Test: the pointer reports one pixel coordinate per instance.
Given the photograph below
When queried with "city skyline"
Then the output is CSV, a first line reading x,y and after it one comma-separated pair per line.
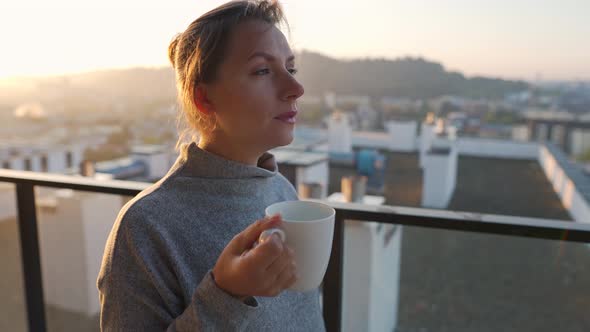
x,y
523,39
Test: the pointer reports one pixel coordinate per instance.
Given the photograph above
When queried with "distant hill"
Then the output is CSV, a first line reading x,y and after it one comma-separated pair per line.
x,y
129,83
404,77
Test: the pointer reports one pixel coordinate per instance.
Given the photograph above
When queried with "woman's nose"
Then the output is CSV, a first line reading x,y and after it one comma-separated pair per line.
x,y
293,88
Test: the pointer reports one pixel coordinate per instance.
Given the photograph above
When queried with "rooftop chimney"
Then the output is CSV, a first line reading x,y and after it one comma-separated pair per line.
x,y
440,177
311,190
87,168
339,133
353,188
427,136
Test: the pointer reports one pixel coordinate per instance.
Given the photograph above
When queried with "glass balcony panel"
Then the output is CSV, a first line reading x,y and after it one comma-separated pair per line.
x,y
407,279
13,315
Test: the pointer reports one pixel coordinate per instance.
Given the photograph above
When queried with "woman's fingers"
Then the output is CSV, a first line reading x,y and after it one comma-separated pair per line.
x,y
286,277
264,270
290,282
266,253
281,262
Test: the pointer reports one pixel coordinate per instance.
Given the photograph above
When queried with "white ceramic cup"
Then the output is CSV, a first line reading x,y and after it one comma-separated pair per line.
x,y
308,230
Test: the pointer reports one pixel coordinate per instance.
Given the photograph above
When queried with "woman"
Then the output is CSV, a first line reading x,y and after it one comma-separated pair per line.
x,y
182,255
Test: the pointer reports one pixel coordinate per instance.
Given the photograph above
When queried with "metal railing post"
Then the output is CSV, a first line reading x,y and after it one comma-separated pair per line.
x,y
31,260
332,286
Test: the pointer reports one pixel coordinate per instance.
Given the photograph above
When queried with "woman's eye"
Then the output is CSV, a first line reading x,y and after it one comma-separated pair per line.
x,y
261,72
293,71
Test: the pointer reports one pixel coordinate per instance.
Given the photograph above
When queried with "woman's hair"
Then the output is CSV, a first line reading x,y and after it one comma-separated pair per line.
x,y
197,53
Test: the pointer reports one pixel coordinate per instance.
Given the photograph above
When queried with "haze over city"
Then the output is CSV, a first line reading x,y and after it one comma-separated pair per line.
x,y
524,39
460,129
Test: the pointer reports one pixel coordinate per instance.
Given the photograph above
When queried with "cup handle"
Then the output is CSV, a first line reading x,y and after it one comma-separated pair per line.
x,y
267,233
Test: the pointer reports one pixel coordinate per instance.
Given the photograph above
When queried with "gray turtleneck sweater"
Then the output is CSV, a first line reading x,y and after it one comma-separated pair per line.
x,y
155,273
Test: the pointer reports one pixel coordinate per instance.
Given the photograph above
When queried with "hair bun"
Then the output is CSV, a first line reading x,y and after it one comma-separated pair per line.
x,y
172,49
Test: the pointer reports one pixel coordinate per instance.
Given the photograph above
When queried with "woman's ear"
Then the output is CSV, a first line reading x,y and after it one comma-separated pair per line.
x,y
202,101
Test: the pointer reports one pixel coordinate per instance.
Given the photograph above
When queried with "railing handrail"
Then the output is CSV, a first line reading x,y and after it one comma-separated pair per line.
x,y
75,182
467,221
420,217
26,181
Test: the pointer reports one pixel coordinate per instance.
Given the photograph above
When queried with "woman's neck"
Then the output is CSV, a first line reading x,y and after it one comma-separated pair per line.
x,y
231,151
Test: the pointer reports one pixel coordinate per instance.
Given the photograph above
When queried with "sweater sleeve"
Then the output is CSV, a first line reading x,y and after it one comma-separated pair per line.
x,y
139,292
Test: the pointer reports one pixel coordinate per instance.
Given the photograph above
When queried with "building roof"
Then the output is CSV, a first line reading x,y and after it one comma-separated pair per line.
x,y
504,186
299,158
484,185
148,149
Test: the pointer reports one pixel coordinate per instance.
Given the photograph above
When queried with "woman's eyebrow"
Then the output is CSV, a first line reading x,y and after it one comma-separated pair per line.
x,y
268,57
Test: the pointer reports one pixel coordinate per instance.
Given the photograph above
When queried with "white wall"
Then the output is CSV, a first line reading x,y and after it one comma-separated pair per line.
x,y
77,153
56,161
73,228
496,148
386,278
317,173
56,158
403,135
371,276
373,140
452,174
17,163
440,175
580,141
61,245
99,212
158,163
570,196
520,133
467,146
427,136
339,133
35,162
7,201
4,153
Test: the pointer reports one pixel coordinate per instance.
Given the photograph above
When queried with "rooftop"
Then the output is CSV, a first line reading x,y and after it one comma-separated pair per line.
x,y
504,186
458,281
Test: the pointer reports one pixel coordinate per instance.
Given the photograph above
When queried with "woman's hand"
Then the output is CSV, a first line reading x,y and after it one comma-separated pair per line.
x,y
265,270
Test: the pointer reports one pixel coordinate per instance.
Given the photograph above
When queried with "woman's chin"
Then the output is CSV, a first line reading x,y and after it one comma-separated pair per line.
x,y
283,140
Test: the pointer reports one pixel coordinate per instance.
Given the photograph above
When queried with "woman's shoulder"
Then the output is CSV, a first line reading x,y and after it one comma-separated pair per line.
x,y
285,186
143,208
160,203
144,227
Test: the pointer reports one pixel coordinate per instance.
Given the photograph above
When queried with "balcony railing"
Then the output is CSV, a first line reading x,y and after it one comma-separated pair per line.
x,y
333,282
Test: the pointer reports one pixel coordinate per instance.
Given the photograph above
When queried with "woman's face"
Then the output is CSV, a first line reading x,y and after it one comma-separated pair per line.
x,y
254,93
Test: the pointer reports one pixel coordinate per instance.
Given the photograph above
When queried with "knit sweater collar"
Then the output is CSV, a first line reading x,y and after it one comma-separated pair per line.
x,y
200,163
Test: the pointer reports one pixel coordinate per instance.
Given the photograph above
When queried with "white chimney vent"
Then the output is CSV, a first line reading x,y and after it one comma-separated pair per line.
x,y
340,133
440,177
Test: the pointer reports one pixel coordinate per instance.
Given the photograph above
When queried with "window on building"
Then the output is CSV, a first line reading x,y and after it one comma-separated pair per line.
x,y
28,164
6,164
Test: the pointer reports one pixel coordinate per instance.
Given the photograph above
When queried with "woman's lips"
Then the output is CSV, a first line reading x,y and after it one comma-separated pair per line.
x,y
288,117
